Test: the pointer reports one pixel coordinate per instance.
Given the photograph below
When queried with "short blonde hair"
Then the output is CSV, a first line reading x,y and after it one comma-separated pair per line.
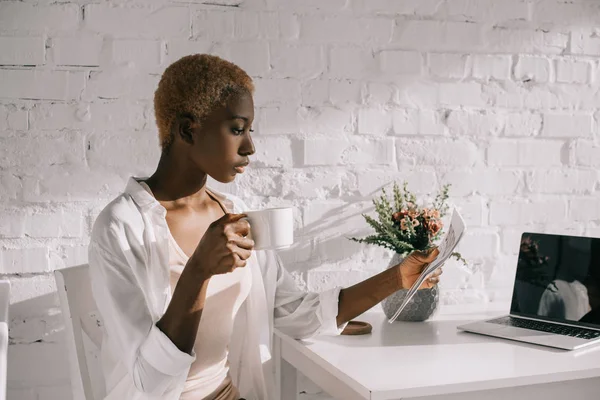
x,y
194,85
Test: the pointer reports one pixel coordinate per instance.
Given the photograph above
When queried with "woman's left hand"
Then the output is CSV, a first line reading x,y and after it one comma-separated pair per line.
x,y
410,269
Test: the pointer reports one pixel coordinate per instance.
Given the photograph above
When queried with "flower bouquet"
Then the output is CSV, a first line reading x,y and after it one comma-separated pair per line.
x,y
403,226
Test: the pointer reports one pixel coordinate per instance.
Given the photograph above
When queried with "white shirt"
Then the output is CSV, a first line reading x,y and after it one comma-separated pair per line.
x,y
565,300
208,377
129,258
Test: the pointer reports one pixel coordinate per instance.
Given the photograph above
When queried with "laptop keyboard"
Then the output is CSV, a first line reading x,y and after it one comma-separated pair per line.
x,y
582,333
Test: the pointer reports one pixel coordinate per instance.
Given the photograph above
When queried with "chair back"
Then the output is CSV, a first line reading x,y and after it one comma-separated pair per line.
x,y
83,331
4,302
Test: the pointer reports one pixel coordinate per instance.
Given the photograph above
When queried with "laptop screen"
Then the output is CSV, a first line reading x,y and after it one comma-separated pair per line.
x,y
558,279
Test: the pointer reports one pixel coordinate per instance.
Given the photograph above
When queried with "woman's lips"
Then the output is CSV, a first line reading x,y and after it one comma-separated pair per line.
x,y
240,169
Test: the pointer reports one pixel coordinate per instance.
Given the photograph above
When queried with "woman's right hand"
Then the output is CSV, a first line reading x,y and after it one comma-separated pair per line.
x,y
224,247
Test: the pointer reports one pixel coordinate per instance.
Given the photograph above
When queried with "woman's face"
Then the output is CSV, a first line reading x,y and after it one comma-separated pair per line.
x,y
222,144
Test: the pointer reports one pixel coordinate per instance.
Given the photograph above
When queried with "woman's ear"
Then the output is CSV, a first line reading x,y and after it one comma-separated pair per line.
x,y
185,128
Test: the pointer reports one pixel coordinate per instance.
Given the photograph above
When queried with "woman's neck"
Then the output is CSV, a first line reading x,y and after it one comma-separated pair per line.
x,y
175,181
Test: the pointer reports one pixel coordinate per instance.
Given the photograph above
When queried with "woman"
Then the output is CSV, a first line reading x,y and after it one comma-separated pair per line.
x,y
188,307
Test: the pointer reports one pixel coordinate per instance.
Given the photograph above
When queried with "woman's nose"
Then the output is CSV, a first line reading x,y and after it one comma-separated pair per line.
x,y
247,148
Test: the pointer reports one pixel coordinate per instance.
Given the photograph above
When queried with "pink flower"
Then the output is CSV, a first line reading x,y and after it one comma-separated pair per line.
x,y
403,225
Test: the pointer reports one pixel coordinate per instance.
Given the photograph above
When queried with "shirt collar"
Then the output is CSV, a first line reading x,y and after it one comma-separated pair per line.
x,y
147,202
140,195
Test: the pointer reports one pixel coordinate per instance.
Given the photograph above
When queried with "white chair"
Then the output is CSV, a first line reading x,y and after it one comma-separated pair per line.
x,y
4,301
83,329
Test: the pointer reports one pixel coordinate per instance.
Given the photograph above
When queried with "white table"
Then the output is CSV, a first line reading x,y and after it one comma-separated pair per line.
x,y
433,361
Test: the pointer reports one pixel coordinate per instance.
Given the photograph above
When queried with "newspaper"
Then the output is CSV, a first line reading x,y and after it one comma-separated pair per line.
x,y
446,248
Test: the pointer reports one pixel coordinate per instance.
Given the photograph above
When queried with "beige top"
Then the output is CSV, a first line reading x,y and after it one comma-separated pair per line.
x,y
208,378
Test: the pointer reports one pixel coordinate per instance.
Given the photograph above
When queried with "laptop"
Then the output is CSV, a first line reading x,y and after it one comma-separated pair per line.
x,y
556,294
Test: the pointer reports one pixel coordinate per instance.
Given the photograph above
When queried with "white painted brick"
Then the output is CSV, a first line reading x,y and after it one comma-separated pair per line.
x,y
522,124
20,16
329,120
521,212
514,95
50,85
485,10
214,25
134,22
584,209
297,61
420,180
525,153
374,121
533,69
313,183
272,152
437,35
25,260
31,288
380,93
573,71
437,152
97,116
564,13
464,94
54,372
562,181
344,91
36,153
499,39
278,120
179,48
21,50
82,50
58,224
474,123
13,224
568,125
307,5
11,186
265,25
417,122
486,181
585,41
401,62
75,255
278,91
253,57
351,62
315,92
137,153
62,183
318,211
349,151
585,153
119,83
144,54
492,67
314,28
479,244
444,65
395,7
18,120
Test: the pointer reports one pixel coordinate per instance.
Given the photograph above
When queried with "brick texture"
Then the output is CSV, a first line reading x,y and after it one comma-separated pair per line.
x,y
499,98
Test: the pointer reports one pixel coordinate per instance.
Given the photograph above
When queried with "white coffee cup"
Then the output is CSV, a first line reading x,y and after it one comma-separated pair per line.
x,y
272,228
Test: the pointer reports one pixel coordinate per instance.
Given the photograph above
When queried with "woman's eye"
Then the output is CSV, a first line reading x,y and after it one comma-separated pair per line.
x,y
237,132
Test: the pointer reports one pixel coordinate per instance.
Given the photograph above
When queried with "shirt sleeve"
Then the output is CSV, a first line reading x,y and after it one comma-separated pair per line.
x,y
154,364
301,314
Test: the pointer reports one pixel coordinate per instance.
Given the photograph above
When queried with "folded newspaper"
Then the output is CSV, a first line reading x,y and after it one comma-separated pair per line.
x,y
446,248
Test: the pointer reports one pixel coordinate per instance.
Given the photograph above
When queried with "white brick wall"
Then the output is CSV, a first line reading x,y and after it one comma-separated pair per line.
x,y
496,97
